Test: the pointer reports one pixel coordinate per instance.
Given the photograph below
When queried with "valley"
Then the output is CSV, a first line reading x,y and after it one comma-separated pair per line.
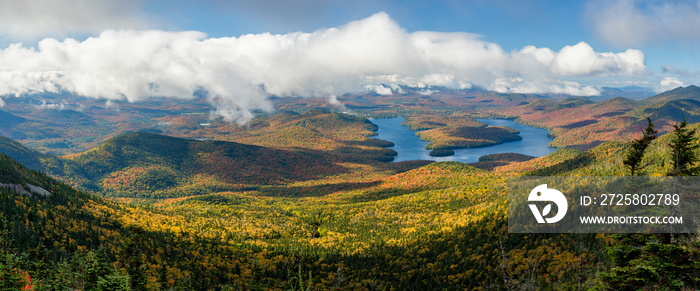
x,y
175,199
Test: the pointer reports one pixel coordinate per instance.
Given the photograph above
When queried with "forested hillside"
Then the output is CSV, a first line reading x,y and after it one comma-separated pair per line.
x,y
428,228
151,145
309,200
582,124
150,165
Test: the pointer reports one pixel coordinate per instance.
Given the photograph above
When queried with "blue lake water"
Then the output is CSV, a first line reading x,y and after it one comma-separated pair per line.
x,y
409,146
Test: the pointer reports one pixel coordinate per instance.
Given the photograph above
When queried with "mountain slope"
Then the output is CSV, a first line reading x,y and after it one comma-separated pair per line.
x,y
447,216
9,124
15,150
581,124
632,92
53,227
36,160
7,119
339,137
71,240
135,164
690,92
606,160
676,110
577,122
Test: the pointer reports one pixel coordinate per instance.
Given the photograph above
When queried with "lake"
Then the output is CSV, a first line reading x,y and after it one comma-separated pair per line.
x,y
409,146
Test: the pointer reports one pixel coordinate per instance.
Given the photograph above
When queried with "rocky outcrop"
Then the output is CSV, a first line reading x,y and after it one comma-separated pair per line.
x,y
35,190
38,190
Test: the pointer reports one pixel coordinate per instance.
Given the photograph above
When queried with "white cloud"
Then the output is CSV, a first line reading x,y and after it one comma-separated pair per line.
x,y
427,92
379,89
51,106
110,105
669,83
631,23
29,19
580,59
239,73
2,103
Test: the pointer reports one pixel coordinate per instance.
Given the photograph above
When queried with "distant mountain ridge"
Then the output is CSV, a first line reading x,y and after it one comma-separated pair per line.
x,y
678,110
689,92
672,106
8,119
629,92
580,123
9,124
32,159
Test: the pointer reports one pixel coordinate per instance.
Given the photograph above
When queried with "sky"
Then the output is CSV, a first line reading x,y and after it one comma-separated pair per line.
x,y
238,53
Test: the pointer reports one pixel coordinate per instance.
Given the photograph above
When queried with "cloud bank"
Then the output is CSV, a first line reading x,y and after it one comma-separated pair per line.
x,y
238,74
625,23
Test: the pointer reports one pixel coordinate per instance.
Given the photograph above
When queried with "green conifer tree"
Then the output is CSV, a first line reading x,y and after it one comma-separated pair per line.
x,y
683,150
635,152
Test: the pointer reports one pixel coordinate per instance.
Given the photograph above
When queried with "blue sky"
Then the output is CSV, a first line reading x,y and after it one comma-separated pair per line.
x,y
136,49
511,24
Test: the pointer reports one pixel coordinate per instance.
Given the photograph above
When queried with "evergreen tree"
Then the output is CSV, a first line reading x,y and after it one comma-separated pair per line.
x,y
657,261
11,278
132,258
635,152
683,150
649,262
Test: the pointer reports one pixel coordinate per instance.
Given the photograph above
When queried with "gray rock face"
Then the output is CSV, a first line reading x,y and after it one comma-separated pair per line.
x,y
36,190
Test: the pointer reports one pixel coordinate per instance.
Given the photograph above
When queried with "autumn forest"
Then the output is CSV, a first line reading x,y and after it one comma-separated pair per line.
x,y
162,196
